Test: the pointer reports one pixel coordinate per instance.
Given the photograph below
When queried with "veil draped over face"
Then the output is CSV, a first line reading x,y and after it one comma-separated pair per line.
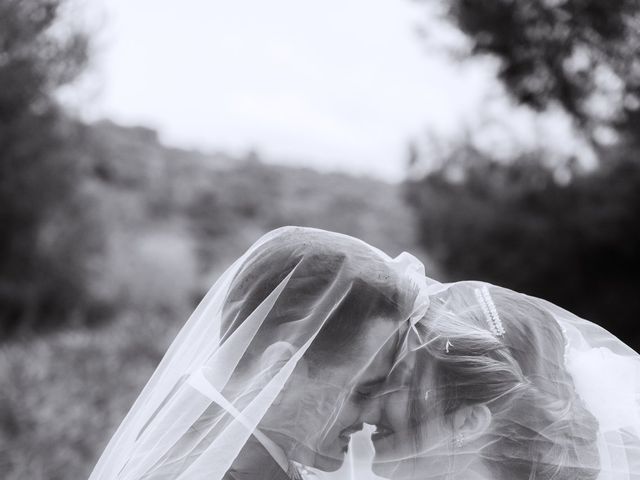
x,y
311,334
499,385
266,370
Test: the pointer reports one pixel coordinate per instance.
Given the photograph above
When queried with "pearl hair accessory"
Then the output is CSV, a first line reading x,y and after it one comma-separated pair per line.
x,y
490,312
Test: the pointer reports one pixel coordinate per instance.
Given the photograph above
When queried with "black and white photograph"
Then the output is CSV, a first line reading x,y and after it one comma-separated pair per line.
x,y
302,240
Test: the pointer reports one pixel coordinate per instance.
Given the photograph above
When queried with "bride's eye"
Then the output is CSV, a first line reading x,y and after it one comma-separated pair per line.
x,y
370,389
367,391
363,394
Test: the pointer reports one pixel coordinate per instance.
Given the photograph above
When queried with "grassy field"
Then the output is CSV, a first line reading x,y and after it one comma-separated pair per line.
x,y
63,394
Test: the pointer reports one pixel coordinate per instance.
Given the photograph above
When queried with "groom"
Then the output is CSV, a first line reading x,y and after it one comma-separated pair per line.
x,y
363,302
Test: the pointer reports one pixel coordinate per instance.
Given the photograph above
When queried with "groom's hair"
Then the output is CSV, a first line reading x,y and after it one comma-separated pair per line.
x,y
336,281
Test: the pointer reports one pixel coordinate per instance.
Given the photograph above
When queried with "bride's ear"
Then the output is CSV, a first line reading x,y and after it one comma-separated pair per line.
x,y
471,421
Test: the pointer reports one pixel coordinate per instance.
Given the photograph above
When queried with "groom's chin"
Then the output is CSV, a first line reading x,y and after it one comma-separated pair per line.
x,y
327,464
324,462
319,461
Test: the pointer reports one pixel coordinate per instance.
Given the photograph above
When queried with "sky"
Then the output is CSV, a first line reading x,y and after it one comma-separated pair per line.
x,y
330,84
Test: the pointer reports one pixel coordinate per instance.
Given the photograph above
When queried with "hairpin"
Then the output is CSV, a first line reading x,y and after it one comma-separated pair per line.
x,y
448,345
490,311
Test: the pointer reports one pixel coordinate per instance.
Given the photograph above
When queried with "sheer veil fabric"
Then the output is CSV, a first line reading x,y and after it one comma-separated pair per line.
x,y
266,370
494,384
312,335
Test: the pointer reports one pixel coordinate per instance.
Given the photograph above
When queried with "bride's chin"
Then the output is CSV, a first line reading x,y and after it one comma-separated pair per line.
x,y
384,469
382,448
385,461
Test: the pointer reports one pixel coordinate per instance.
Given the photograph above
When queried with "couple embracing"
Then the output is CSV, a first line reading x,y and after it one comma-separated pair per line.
x,y
312,335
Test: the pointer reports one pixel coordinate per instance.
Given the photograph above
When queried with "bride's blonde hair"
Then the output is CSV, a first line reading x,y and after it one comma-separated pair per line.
x,y
540,428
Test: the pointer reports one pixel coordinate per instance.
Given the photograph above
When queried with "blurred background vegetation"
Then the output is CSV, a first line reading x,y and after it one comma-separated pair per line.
x,y
110,237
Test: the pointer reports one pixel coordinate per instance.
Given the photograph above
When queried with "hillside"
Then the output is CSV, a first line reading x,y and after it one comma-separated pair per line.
x,y
215,206
168,221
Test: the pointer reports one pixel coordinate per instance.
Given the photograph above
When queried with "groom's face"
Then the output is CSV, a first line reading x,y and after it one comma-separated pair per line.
x,y
322,406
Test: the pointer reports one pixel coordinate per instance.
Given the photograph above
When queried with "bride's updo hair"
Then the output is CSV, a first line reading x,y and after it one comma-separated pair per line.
x,y
540,428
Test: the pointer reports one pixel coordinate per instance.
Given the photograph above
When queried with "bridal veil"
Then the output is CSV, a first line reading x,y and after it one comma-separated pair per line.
x,y
494,384
275,351
470,380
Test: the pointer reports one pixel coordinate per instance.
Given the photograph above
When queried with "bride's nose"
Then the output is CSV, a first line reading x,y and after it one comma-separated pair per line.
x,y
371,411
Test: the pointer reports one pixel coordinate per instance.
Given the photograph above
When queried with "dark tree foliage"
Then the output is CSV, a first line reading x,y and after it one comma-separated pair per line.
x,y
562,51
39,275
575,244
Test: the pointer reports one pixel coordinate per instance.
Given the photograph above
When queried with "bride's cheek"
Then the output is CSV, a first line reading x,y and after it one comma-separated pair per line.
x,y
396,411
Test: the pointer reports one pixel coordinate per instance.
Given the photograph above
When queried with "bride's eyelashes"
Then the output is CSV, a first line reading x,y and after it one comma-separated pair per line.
x,y
361,397
369,390
364,394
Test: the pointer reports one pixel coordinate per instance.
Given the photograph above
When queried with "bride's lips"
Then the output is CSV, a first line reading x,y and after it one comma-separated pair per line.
x,y
381,432
345,434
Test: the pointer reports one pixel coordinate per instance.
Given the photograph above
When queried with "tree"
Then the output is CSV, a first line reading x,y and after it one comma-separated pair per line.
x,y
580,54
38,164
514,225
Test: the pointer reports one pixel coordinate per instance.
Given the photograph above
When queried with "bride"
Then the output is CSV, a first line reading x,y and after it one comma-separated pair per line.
x,y
493,384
